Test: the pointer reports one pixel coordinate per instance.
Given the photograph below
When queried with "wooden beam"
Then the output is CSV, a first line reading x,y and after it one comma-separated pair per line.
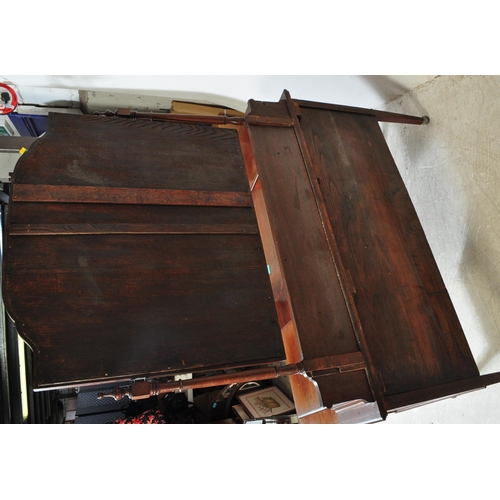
x,y
373,376
342,362
146,389
130,196
381,116
428,394
137,228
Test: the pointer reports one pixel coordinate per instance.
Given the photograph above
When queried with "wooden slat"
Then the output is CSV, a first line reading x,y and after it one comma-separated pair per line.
x,y
134,196
345,386
324,416
268,114
173,117
321,318
269,121
345,282
429,394
78,229
381,116
351,360
82,213
278,283
306,395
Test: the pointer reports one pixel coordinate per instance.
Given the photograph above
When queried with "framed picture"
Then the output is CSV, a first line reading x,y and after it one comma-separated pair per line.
x,y
265,402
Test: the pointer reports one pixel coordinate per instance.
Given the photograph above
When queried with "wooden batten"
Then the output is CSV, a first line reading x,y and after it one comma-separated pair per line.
x,y
124,195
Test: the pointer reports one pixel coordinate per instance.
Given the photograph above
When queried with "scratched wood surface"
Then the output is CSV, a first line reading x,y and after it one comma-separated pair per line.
x,y
305,281
315,295
110,288
412,331
144,155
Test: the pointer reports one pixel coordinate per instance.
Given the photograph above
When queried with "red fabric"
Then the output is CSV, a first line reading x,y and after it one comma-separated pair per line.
x,y
148,417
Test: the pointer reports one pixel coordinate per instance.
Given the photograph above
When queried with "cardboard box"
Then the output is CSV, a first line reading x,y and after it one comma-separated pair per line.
x,y
189,108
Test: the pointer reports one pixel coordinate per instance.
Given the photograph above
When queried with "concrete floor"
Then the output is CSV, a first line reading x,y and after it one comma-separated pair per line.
x,y
451,168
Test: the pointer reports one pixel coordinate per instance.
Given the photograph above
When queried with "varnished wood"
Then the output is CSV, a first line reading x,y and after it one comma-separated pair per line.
x,y
306,395
171,117
278,281
81,213
381,116
143,155
316,300
341,362
322,321
345,278
76,229
365,199
428,394
292,343
264,119
97,194
271,114
143,390
339,387
324,416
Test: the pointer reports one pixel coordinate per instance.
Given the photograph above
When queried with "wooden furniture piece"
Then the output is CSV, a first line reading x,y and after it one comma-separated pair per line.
x,y
283,242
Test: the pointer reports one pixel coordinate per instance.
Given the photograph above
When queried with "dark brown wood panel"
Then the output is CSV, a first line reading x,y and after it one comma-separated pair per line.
x,y
81,213
278,284
381,116
130,228
318,305
268,114
428,394
107,281
400,296
341,387
93,310
45,193
136,154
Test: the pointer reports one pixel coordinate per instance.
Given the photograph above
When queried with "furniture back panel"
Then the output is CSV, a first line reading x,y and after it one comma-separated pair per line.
x,y
112,291
318,305
400,297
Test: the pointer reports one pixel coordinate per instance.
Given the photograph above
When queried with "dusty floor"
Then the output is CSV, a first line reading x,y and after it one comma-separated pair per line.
x,y
451,168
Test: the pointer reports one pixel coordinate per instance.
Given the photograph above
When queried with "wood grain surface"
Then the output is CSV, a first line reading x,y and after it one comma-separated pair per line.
x,y
133,250
410,325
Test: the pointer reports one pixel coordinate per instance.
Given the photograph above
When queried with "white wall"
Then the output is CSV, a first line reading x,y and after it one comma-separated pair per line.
x,y
231,91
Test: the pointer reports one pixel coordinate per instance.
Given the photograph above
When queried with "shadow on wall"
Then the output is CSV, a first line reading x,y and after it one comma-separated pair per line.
x,y
390,88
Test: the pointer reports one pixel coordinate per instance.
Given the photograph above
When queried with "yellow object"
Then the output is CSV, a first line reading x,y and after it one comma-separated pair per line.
x,y
22,151
190,108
